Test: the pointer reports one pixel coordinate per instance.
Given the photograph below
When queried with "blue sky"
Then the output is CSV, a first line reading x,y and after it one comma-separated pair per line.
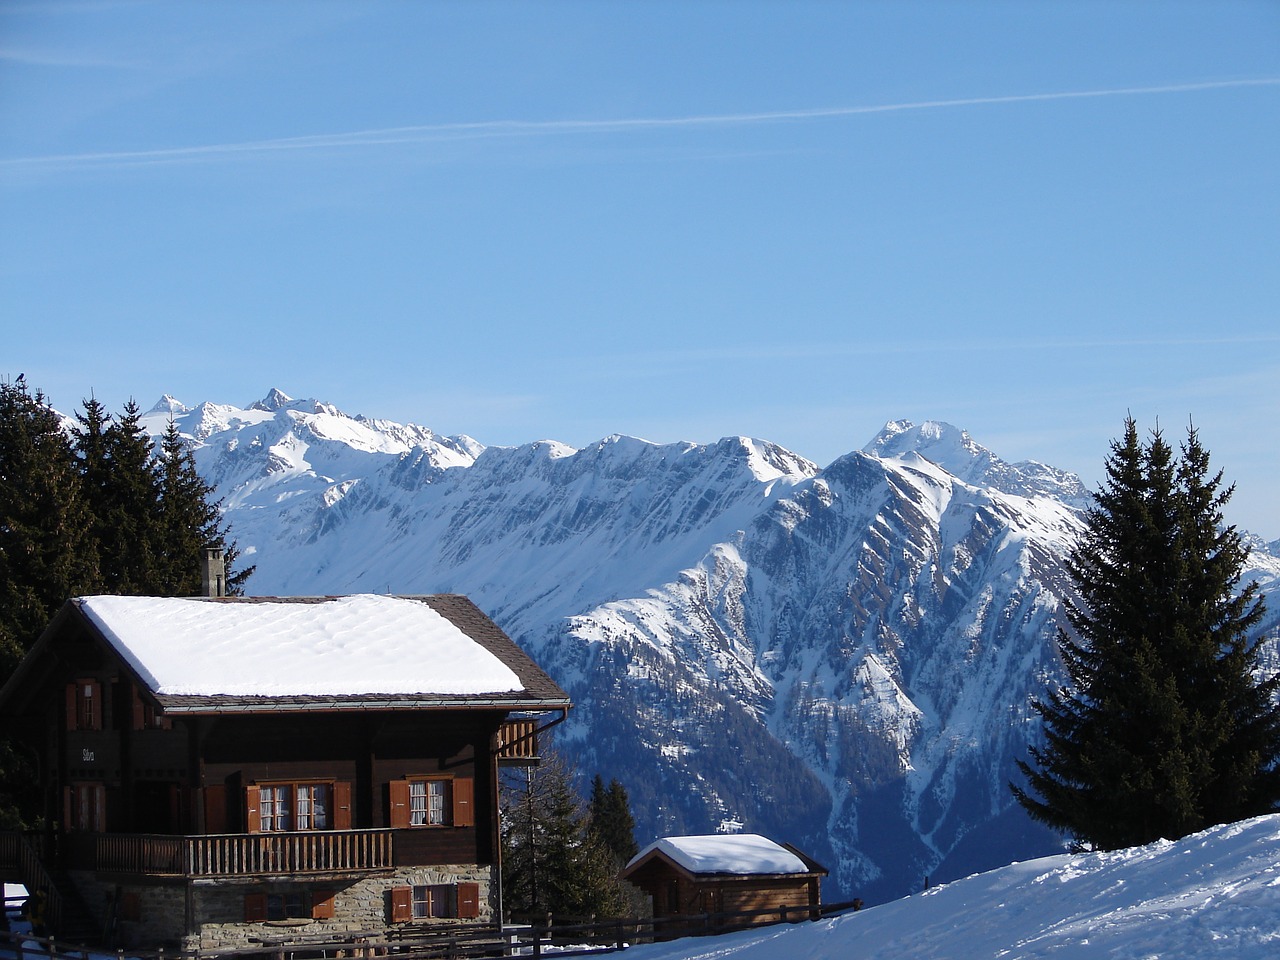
x,y
679,221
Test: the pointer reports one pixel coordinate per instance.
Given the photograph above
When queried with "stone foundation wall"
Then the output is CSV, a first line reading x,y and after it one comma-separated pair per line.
x,y
218,909
162,909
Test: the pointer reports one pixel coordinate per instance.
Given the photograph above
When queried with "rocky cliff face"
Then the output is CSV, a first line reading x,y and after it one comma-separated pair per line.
x,y
842,658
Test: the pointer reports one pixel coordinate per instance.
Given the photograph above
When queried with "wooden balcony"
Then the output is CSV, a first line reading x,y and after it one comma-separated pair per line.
x,y
518,743
212,856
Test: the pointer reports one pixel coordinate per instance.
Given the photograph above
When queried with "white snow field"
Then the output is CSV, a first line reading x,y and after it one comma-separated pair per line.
x,y
1213,894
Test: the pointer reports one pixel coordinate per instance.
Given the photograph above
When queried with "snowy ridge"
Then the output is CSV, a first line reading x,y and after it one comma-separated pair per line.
x,y
841,658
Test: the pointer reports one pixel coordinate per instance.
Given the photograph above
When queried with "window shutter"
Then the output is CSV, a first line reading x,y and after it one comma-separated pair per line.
x,y
95,711
252,816
342,818
321,904
139,714
215,808
178,806
71,706
68,808
468,901
401,904
98,808
464,797
255,907
399,803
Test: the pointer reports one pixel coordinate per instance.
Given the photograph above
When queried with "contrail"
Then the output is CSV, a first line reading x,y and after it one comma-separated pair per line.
x,y
493,129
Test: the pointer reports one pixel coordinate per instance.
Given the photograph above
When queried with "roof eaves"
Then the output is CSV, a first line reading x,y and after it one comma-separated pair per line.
x,y
174,705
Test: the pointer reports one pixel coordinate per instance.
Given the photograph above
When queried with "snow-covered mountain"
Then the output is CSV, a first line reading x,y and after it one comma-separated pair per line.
x,y
840,657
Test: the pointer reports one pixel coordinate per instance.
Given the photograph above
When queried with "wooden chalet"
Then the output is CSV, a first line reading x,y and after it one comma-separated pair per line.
x,y
725,874
220,772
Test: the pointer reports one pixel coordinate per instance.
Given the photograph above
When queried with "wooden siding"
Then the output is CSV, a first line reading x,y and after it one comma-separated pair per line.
x,y
426,846
675,893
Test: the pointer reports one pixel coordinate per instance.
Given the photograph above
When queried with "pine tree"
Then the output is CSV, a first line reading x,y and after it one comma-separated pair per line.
x,y
1163,729
90,511
189,521
47,552
611,820
551,862
121,477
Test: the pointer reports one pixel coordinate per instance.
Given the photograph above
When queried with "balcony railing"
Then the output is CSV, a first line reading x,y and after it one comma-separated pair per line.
x,y
518,742
246,854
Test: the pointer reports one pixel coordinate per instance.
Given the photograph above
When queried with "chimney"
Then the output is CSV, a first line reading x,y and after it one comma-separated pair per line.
x,y
213,573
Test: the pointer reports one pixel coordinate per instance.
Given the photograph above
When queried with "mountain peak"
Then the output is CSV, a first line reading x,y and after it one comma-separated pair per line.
x,y
946,445
276,399
960,455
168,404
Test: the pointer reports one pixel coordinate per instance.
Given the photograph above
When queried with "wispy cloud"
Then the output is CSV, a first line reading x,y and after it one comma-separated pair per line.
x,y
663,363
38,58
495,129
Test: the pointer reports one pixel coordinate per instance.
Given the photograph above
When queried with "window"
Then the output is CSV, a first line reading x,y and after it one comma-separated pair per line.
x,y
146,716
432,802
289,905
427,805
84,705
86,807
435,901
313,806
274,807
432,901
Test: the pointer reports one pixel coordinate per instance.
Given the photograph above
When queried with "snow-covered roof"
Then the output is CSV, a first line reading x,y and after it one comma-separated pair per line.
x,y
743,853
338,646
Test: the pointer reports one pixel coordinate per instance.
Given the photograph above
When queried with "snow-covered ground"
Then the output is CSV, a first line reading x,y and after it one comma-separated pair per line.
x,y
1214,894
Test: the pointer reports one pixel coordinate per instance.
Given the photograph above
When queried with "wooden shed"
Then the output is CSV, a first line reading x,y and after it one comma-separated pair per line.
x,y
725,873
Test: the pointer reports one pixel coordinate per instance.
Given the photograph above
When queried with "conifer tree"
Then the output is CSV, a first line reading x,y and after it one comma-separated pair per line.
x,y
189,521
88,511
551,862
121,477
611,820
47,552
1163,729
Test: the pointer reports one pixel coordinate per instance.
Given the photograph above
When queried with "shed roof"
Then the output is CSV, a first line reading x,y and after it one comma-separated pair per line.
x,y
746,854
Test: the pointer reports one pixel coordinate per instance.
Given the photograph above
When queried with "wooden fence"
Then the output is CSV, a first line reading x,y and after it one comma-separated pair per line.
x,y
462,942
